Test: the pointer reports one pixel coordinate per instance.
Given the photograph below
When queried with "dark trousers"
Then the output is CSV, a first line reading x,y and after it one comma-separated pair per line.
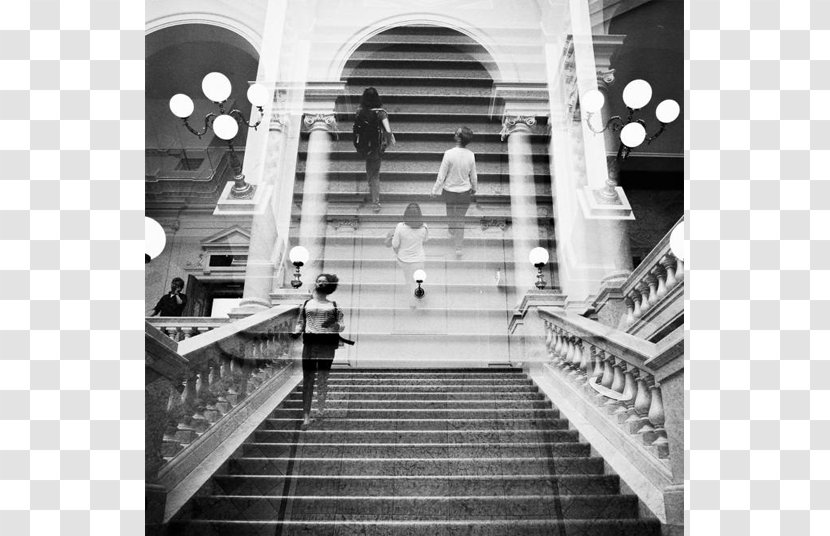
x,y
373,175
318,354
457,205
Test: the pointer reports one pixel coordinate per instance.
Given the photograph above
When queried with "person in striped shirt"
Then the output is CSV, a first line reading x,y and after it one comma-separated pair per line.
x,y
320,323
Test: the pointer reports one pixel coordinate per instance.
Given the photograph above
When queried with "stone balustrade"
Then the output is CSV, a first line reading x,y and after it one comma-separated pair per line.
x,y
224,364
657,276
180,328
616,373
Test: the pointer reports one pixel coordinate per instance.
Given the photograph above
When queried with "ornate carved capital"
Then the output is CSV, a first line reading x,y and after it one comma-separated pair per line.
x,y
499,223
339,223
513,123
320,121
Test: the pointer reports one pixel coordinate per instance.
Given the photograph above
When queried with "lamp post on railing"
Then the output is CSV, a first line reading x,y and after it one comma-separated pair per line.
x,y
298,256
539,258
225,125
419,276
632,131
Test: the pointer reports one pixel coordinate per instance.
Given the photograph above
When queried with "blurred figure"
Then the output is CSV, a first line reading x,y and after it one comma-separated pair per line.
x,y
172,303
408,244
457,182
320,323
372,134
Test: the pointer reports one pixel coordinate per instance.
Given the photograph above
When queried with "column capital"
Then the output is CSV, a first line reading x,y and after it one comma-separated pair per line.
x,y
516,122
325,121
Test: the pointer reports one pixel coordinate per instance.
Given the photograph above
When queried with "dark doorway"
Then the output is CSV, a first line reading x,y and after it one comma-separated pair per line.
x,y
202,293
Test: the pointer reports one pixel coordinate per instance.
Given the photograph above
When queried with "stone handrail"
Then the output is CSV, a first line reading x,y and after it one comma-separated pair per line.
x,y
653,279
180,328
620,373
217,371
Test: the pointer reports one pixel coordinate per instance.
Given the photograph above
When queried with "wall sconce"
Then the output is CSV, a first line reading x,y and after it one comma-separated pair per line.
x,y
298,256
225,125
636,95
419,276
154,239
539,258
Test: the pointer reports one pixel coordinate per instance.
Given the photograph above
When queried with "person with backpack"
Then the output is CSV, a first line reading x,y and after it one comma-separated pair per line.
x,y
457,182
372,134
320,323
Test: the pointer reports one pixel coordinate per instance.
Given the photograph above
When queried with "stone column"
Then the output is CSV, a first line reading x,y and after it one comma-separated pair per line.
x,y
523,210
315,185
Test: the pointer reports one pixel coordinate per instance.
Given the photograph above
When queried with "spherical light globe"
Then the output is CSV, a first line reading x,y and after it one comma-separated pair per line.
x,y
419,275
181,105
538,256
593,101
216,87
632,135
154,238
258,95
667,111
298,254
677,242
637,94
225,127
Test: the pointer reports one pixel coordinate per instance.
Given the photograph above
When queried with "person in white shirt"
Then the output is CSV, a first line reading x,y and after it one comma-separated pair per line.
x,y
408,243
457,182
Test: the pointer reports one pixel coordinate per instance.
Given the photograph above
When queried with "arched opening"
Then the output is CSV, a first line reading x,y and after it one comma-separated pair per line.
x,y
178,57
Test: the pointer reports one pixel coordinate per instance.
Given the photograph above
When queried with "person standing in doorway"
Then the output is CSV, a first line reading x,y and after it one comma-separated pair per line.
x,y
172,303
320,323
372,134
457,183
408,244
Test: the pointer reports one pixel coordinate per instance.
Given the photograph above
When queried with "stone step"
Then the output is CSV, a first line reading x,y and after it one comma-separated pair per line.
x,y
414,436
352,394
430,145
440,293
368,424
406,164
441,466
335,404
486,485
367,526
424,507
410,413
413,379
415,450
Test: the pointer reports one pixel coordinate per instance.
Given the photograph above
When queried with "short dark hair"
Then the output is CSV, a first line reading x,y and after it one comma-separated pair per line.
x,y
332,280
370,98
178,280
464,135
412,216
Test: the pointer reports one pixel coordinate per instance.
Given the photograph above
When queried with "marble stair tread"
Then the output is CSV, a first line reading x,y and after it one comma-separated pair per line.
x,y
425,507
455,437
458,485
355,525
281,423
419,466
335,404
410,450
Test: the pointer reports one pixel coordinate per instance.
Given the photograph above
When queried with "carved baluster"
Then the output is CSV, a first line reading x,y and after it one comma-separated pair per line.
x,y
678,271
548,339
642,402
607,370
188,331
557,348
169,331
659,273
222,385
645,305
657,416
576,357
617,385
596,376
646,431
585,362
668,263
630,389
198,421
627,318
635,297
170,444
568,351
651,283
185,432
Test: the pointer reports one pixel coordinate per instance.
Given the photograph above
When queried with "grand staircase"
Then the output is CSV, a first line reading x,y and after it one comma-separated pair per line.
x,y
432,452
432,80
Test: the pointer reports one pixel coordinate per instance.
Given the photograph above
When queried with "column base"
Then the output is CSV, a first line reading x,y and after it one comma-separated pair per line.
x,y
248,307
597,206
230,206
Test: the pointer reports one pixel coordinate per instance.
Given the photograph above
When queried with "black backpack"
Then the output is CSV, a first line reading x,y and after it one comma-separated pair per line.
x,y
368,133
